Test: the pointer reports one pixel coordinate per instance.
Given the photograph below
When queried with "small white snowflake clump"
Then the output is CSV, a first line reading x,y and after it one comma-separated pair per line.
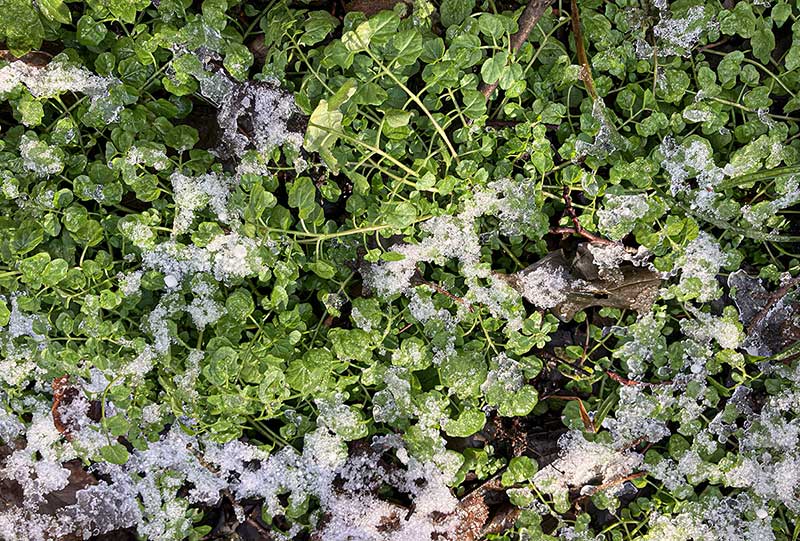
x,y
266,109
545,286
203,309
234,257
726,331
193,194
636,417
52,80
682,162
642,343
603,143
679,36
699,265
507,375
38,157
130,283
713,519
758,214
227,257
147,155
581,462
619,214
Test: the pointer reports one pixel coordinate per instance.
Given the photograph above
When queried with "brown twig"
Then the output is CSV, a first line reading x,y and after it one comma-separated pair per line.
x,y
632,382
527,20
583,60
443,291
578,229
713,45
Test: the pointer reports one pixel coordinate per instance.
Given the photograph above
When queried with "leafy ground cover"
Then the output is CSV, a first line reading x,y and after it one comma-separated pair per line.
x,y
400,270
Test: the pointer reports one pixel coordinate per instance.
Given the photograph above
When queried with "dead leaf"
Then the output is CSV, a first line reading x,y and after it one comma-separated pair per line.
x,y
597,277
486,510
772,320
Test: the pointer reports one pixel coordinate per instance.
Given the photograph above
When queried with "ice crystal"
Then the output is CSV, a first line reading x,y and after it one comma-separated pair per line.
x,y
265,109
52,80
699,265
193,194
38,157
619,214
583,462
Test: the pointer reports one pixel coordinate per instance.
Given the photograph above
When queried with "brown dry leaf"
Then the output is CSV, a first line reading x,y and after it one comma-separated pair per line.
x,y
618,280
772,320
485,510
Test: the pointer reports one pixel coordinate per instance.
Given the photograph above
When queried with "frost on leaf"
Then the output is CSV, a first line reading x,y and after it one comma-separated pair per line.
x,y
259,115
713,518
620,213
193,194
52,80
677,36
699,265
40,158
583,463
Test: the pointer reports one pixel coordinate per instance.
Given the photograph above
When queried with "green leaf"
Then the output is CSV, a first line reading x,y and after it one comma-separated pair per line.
x,y
351,344
493,67
741,20
780,13
238,60
307,374
454,12
407,45
323,269
399,214
20,26
32,267
117,426
469,422
318,25
376,31
28,236
181,138
54,272
125,10
520,469
55,10
302,195
239,304
114,453
491,25
325,125
395,118
464,373
90,32
763,43
5,313
792,59
31,110
474,103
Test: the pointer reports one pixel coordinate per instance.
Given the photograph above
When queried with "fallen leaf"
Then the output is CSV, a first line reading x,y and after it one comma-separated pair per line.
x,y
772,320
598,275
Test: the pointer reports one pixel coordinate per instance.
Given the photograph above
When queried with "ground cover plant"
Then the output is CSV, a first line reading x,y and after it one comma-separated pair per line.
x,y
400,270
